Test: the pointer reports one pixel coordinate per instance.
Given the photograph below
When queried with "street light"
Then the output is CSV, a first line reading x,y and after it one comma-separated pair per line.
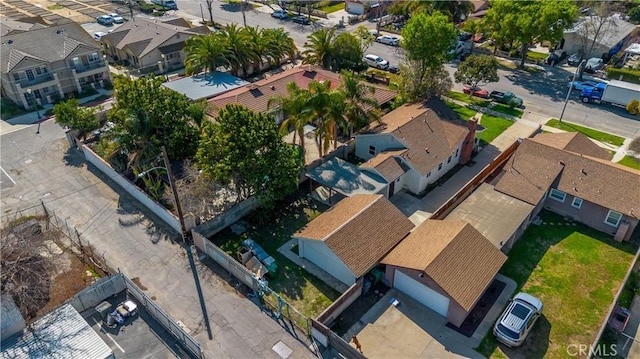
x,y
35,100
174,190
571,88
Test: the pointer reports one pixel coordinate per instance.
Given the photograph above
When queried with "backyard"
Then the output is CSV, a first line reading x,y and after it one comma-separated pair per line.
x,y
589,132
554,262
271,229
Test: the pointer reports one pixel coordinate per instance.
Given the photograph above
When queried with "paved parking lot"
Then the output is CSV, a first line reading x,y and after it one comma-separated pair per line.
x,y
139,337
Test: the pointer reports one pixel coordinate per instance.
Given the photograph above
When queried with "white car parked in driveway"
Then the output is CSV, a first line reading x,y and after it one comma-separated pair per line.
x,y
516,321
388,40
376,61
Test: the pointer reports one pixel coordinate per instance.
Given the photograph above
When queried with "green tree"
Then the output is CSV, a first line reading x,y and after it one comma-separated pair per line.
x,y
366,39
426,40
240,50
319,48
205,53
292,109
81,119
526,22
477,69
245,149
327,107
347,53
279,46
437,83
360,107
147,115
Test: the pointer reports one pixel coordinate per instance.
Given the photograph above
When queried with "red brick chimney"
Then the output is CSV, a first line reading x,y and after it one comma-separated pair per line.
x,y
469,141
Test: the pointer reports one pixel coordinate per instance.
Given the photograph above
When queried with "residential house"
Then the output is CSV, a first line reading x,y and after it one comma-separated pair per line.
x,y
416,145
359,7
150,45
569,174
256,95
9,26
598,37
53,62
351,238
445,265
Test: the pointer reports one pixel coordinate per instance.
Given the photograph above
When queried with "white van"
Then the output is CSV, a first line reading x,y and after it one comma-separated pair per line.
x,y
166,3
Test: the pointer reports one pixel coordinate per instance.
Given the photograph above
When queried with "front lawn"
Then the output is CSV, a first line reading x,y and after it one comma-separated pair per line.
x,y
464,112
473,100
589,132
10,109
576,272
273,228
630,161
337,6
494,127
507,110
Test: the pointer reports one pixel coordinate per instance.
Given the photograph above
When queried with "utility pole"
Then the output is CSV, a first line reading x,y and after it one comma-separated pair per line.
x,y
564,107
172,184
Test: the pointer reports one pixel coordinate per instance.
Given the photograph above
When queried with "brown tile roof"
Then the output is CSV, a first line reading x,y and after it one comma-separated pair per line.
x,y
360,230
534,166
429,135
387,164
573,142
256,96
454,254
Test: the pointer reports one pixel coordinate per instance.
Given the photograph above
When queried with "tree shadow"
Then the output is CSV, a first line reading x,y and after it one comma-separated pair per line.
x,y
73,158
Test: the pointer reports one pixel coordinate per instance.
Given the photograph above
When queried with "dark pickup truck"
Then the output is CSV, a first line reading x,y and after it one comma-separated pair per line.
x,y
507,98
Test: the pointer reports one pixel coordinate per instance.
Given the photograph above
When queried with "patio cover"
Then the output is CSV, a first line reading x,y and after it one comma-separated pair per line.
x,y
346,178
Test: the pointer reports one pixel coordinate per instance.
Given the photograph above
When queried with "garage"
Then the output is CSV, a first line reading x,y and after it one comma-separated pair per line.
x,y
418,291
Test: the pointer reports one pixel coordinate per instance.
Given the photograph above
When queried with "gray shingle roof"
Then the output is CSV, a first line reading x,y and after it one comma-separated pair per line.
x,y
47,44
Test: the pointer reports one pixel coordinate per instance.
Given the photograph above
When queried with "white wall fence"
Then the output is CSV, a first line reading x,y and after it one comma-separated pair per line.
x,y
227,218
131,189
97,292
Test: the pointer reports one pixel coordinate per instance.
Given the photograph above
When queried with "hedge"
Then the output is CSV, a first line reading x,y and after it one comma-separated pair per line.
x,y
628,75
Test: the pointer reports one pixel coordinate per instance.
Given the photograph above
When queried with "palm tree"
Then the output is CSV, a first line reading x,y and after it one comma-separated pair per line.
x,y
319,48
327,107
259,45
205,53
292,108
360,108
280,45
239,49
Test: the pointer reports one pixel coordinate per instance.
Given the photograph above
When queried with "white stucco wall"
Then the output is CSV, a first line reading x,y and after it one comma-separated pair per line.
x,y
319,254
381,142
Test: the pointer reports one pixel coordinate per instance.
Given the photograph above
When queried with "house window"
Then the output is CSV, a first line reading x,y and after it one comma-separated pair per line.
x,y
613,218
439,167
372,150
557,195
449,159
577,202
457,150
93,57
16,76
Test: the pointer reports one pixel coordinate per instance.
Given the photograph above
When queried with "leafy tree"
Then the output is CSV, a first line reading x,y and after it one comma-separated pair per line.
x,y
205,53
245,148
82,119
291,108
347,53
477,69
366,38
319,48
437,81
147,115
426,40
530,20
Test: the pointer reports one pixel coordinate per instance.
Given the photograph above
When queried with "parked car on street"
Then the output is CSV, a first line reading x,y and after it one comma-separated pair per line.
x,y
302,20
594,64
388,40
117,19
507,98
574,59
170,4
475,91
280,14
376,61
516,321
581,85
393,69
104,20
555,57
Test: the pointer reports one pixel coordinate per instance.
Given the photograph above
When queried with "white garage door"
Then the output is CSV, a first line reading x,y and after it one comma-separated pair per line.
x,y
423,294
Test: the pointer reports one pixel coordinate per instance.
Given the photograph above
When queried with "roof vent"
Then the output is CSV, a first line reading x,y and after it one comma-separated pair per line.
x,y
426,149
10,42
583,171
58,31
562,163
157,33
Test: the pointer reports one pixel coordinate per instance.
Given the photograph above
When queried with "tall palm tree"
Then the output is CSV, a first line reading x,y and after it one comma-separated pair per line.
x,y
258,43
239,49
205,53
280,45
319,48
360,107
327,107
292,108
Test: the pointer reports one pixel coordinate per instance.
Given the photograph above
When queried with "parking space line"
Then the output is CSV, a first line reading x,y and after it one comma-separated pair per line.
x,y
110,337
6,174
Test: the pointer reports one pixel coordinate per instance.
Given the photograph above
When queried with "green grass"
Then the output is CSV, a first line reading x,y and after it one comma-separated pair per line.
x,y
466,99
494,127
557,263
536,56
507,110
8,109
630,161
271,229
332,8
55,7
464,112
591,133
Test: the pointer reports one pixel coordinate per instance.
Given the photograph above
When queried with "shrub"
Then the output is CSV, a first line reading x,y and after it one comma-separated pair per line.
x,y
628,75
633,107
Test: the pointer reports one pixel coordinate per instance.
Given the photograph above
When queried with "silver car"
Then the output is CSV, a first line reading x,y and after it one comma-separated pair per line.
x,y
376,61
388,40
516,321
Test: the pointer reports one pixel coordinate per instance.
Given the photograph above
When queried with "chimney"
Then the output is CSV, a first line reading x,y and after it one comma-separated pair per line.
x,y
468,145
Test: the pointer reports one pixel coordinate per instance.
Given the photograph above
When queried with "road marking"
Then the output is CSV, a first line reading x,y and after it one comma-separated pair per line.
x,y
6,174
110,337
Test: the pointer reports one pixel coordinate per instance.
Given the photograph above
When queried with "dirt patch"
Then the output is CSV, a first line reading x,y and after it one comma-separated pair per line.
x,y
68,283
61,10
136,280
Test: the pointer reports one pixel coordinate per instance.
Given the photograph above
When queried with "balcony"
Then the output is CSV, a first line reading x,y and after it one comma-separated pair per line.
x,y
37,80
88,67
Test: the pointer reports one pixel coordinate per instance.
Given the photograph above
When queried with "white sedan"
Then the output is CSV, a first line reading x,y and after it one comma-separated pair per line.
x,y
117,19
388,40
581,85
